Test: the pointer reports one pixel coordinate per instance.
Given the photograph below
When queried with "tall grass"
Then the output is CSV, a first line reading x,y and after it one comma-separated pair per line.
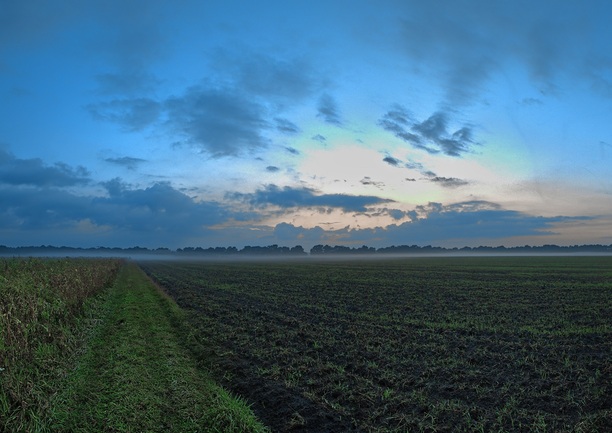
x,y
41,310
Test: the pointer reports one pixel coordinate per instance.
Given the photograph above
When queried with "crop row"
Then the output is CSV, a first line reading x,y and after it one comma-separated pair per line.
x,y
489,344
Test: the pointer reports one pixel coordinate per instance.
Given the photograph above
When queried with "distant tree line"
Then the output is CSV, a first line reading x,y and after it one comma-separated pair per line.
x,y
298,250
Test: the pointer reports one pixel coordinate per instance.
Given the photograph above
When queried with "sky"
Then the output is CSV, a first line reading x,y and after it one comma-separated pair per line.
x,y
229,123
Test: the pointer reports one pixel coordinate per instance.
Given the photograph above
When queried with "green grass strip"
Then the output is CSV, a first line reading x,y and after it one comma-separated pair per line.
x,y
136,376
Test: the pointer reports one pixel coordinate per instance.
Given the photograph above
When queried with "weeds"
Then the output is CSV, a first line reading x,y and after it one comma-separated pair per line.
x,y
41,325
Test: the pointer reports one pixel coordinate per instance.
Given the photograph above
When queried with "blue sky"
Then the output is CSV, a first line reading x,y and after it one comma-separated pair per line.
x,y
190,123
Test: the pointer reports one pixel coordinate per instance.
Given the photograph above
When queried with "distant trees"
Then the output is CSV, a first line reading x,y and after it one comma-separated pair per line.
x,y
339,249
298,250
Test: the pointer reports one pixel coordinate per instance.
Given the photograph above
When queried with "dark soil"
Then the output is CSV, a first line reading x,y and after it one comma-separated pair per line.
x,y
406,346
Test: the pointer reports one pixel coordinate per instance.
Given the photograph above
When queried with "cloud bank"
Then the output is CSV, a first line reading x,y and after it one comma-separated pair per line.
x,y
289,197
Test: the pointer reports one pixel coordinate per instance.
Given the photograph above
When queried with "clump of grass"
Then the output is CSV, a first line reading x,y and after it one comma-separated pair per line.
x,y
41,309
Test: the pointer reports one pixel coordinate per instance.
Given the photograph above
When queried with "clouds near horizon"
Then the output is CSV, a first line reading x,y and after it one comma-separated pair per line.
x,y
288,197
444,224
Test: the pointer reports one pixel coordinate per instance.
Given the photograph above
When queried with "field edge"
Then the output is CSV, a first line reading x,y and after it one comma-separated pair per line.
x,y
137,374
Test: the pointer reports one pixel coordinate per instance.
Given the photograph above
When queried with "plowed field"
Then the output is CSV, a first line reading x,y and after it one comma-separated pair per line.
x,y
415,344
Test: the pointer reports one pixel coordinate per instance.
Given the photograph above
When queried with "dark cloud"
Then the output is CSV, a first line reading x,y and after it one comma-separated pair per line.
x,y
286,126
34,172
30,22
467,41
289,197
531,101
448,182
319,138
434,129
158,215
396,121
134,35
392,161
430,135
226,116
396,214
159,212
158,207
292,150
25,209
220,121
283,80
133,114
285,232
412,165
328,110
272,169
398,115
126,161
368,181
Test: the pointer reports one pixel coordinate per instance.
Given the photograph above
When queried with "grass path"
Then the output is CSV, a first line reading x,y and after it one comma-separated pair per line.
x,y
136,376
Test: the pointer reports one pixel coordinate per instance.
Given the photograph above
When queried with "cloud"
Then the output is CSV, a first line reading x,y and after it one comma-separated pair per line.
x,y
22,22
430,135
40,208
126,161
448,182
468,223
133,114
434,129
283,80
158,215
159,206
469,206
319,138
292,150
531,101
396,121
286,126
34,172
368,181
468,41
328,110
412,165
272,169
220,121
392,161
396,213
134,36
241,100
289,197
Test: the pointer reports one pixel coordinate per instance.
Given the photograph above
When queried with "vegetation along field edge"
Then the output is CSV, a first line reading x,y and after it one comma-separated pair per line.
x,y
131,372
